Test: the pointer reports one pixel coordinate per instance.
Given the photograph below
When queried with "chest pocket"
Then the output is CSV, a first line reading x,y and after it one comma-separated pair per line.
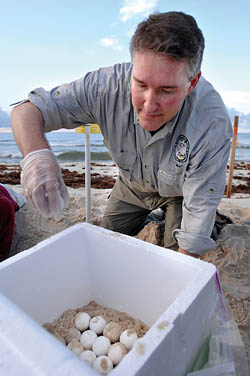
x,y
170,181
125,161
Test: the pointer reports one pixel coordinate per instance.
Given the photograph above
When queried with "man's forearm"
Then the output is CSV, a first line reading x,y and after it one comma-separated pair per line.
x,y
27,126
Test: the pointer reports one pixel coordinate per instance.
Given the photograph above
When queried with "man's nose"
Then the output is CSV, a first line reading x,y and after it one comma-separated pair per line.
x,y
150,101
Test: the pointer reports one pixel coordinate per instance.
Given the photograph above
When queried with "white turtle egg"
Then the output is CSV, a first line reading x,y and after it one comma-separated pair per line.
x,y
88,355
72,334
82,320
128,338
87,339
76,347
97,324
101,345
112,331
116,352
103,364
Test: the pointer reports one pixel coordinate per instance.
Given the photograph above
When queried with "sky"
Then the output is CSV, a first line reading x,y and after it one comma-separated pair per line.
x,y
47,43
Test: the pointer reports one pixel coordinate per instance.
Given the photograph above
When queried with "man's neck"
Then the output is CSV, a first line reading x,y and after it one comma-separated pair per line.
x,y
157,130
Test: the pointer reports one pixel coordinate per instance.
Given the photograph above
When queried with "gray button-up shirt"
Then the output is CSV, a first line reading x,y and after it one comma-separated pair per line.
x,y
187,157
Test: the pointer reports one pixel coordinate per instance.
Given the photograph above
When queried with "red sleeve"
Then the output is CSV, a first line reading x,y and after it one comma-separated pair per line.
x,y
8,207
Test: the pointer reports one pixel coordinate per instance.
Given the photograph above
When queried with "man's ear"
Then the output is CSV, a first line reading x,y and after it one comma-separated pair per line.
x,y
193,83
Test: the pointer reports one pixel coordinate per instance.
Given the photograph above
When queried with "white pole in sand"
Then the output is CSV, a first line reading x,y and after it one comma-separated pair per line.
x,y
87,129
87,173
231,166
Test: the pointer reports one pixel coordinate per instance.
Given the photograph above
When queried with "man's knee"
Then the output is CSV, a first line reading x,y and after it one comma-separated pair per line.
x,y
106,223
125,223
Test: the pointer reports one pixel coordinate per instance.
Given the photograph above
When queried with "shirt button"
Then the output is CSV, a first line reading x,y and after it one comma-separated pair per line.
x,y
146,166
147,181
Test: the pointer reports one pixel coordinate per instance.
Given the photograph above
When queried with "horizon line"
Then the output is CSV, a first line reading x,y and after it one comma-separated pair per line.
x,y
9,130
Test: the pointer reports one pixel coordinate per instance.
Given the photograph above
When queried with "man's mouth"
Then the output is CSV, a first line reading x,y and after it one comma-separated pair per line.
x,y
150,115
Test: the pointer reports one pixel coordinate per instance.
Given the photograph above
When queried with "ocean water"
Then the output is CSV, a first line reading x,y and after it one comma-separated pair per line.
x,y
67,146
70,147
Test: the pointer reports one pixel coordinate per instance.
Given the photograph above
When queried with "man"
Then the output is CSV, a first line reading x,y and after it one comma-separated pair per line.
x,y
163,124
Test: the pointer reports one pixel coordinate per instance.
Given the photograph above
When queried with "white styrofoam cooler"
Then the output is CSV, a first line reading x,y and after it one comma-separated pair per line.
x,y
172,293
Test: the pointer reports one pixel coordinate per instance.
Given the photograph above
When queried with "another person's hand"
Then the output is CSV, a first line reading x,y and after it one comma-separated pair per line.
x,y
42,182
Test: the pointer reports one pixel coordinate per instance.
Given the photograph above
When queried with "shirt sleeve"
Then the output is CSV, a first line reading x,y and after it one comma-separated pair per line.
x,y
98,97
69,105
203,189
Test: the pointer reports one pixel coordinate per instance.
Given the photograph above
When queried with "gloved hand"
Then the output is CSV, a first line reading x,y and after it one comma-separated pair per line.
x,y
42,182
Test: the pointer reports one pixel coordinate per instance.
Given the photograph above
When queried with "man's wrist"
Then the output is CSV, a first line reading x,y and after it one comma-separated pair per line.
x,y
180,250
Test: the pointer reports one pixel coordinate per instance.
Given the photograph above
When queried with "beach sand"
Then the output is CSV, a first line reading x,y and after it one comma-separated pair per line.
x,y
232,255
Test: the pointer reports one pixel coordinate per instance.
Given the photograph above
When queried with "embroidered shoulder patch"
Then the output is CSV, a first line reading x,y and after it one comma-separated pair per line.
x,y
181,149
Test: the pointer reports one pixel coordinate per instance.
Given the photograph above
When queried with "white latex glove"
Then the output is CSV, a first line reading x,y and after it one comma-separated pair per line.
x,y
42,182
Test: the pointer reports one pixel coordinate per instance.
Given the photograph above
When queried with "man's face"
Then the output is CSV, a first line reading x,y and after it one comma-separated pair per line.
x,y
159,86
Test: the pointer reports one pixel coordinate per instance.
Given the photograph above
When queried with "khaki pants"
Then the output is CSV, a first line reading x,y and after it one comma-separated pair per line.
x,y
128,208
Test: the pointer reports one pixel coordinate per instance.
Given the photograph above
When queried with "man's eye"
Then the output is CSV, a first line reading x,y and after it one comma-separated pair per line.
x,y
165,91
